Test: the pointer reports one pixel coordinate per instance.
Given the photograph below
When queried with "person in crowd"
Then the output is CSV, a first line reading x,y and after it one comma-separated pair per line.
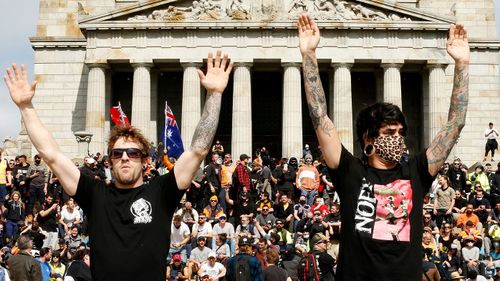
x,y
213,175
36,234
74,240
430,270
177,269
57,267
218,148
226,179
244,206
444,200
45,257
451,261
14,214
459,206
69,216
79,268
213,268
241,177
188,213
445,239
265,219
308,179
326,263
38,176
381,129
285,176
20,173
457,176
198,256
244,266
117,228
273,272
300,211
47,218
479,177
221,248
264,201
320,205
226,228
429,243
23,266
247,229
468,216
201,229
260,252
491,135
285,236
482,207
284,210
213,210
179,238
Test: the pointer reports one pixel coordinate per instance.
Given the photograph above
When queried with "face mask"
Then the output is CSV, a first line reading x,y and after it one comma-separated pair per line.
x,y
306,236
218,161
390,148
470,244
38,161
243,225
302,201
469,212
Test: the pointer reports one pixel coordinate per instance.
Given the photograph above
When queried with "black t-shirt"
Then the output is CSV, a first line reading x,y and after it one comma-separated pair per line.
x,y
49,222
129,229
275,273
381,218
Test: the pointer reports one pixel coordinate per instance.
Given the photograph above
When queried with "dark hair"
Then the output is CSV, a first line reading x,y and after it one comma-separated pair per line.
x,y
80,254
372,118
272,257
24,242
44,251
223,237
130,134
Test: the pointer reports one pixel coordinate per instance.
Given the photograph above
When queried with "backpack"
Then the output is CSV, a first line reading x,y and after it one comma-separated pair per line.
x,y
308,269
242,268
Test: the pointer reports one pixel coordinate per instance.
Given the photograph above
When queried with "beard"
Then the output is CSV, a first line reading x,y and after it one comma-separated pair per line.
x,y
129,178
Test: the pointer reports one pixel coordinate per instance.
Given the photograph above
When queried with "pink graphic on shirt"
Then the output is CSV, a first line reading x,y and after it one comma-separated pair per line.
x,y
394,204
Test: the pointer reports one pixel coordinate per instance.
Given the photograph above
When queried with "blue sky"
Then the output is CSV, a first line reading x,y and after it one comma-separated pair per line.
x,y
17,23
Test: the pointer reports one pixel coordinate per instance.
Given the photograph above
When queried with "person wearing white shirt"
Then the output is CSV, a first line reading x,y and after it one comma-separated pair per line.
x,y
69,217
214,269
491,135
179,237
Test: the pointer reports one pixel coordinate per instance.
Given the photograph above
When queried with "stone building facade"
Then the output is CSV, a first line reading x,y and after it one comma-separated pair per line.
x,y
90,55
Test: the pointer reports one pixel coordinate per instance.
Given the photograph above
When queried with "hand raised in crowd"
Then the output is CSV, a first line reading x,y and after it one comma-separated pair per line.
x,y
218,70
458,44
20,90
308,34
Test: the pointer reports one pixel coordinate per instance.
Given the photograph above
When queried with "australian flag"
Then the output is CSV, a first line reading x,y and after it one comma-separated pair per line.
x,y
171,135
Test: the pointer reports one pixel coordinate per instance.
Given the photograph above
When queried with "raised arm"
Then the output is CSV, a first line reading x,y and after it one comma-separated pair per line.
x,y
22,94
325,129
458,48
215,81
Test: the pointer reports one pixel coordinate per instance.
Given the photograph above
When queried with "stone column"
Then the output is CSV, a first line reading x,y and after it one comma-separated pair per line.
x,y
141,97
153,137
241,136
342,103
438,102
292,109
191,102
96,94
392,82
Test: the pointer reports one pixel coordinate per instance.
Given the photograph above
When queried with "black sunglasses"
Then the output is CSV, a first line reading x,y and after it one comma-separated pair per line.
x,y
117,153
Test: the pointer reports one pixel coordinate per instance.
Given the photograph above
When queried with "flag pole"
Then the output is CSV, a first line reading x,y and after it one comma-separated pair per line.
x,y
166,125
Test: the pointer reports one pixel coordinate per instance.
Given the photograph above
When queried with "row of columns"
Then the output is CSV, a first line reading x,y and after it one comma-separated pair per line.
x,y
241,140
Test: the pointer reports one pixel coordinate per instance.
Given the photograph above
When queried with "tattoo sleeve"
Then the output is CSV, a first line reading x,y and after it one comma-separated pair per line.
x,y
205,131
443,142
315,96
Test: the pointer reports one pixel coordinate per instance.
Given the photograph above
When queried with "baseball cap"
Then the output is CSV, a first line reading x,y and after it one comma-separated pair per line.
x,y
212,255
244,157
214,198
89,160
176,257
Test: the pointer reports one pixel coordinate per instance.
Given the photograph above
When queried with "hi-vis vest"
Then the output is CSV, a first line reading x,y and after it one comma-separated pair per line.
x,y
3,173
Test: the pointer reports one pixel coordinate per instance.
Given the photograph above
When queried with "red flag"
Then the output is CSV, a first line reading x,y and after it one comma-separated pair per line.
x,y
118,116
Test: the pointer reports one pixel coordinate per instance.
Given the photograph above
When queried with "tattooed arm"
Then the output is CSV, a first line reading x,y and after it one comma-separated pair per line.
x,y
215,81
458,48
325,129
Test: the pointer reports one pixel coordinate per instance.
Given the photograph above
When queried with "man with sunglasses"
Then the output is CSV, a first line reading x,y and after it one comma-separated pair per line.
x,y
129,220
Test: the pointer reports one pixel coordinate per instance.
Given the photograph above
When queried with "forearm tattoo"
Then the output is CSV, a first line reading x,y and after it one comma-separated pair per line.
x,y
446,138
315,96
205,131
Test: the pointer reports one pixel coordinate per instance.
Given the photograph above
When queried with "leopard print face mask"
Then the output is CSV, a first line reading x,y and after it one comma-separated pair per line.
x,y
390,148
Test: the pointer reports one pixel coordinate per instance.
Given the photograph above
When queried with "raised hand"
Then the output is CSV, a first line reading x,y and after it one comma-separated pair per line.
x,y
20,90
458,44
308,34
215,81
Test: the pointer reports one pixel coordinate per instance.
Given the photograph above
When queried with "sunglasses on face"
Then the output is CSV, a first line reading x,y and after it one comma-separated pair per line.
x,y
323,241
213,201
117,153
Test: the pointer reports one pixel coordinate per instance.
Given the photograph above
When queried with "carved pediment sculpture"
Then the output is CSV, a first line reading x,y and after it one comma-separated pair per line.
x,y
335,10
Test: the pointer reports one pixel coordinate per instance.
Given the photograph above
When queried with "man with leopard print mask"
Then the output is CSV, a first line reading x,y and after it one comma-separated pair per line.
x,y
382,197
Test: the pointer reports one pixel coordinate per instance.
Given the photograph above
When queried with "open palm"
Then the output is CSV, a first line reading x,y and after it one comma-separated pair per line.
x,y
458,44
217,77
20,90
308,34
